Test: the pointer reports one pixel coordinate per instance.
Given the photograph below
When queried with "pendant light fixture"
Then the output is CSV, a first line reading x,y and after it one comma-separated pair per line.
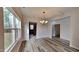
x,y
44,19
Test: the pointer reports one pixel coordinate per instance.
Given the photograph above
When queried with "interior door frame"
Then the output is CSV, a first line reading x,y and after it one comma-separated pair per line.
x,y
57,29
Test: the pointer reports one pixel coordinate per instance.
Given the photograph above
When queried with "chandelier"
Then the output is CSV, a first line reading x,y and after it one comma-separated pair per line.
x,y
44,19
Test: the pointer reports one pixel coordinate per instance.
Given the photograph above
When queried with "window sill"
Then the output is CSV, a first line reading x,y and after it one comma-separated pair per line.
x,y
13,45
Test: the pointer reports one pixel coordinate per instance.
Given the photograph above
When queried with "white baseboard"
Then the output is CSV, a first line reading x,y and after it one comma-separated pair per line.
x,y
74,46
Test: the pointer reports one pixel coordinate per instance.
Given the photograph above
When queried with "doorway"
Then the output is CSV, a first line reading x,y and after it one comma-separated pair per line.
x,y
32,29
57,30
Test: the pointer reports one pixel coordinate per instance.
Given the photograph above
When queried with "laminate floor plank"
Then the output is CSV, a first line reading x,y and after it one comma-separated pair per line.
x,y
48,45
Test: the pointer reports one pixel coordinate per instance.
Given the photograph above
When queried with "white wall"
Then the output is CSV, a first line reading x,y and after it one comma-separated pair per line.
x,y
65,28
74,27
65,32
42,30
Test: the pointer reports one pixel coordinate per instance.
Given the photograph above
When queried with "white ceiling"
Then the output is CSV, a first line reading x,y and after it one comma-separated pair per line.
x,y
37,11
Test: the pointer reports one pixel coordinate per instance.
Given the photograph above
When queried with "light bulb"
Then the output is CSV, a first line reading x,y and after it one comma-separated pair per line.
x,y
46,21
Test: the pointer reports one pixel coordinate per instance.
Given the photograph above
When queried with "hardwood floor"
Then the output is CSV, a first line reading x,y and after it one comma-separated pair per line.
x,y
47,45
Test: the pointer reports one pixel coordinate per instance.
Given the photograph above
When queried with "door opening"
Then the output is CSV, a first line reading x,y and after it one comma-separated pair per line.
x,y
32,29
56,30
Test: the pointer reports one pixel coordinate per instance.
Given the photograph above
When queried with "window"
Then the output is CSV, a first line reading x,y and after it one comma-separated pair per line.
x,y
12,29
18,28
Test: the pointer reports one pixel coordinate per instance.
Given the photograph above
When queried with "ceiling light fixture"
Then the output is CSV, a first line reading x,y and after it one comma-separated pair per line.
x,y
44,19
